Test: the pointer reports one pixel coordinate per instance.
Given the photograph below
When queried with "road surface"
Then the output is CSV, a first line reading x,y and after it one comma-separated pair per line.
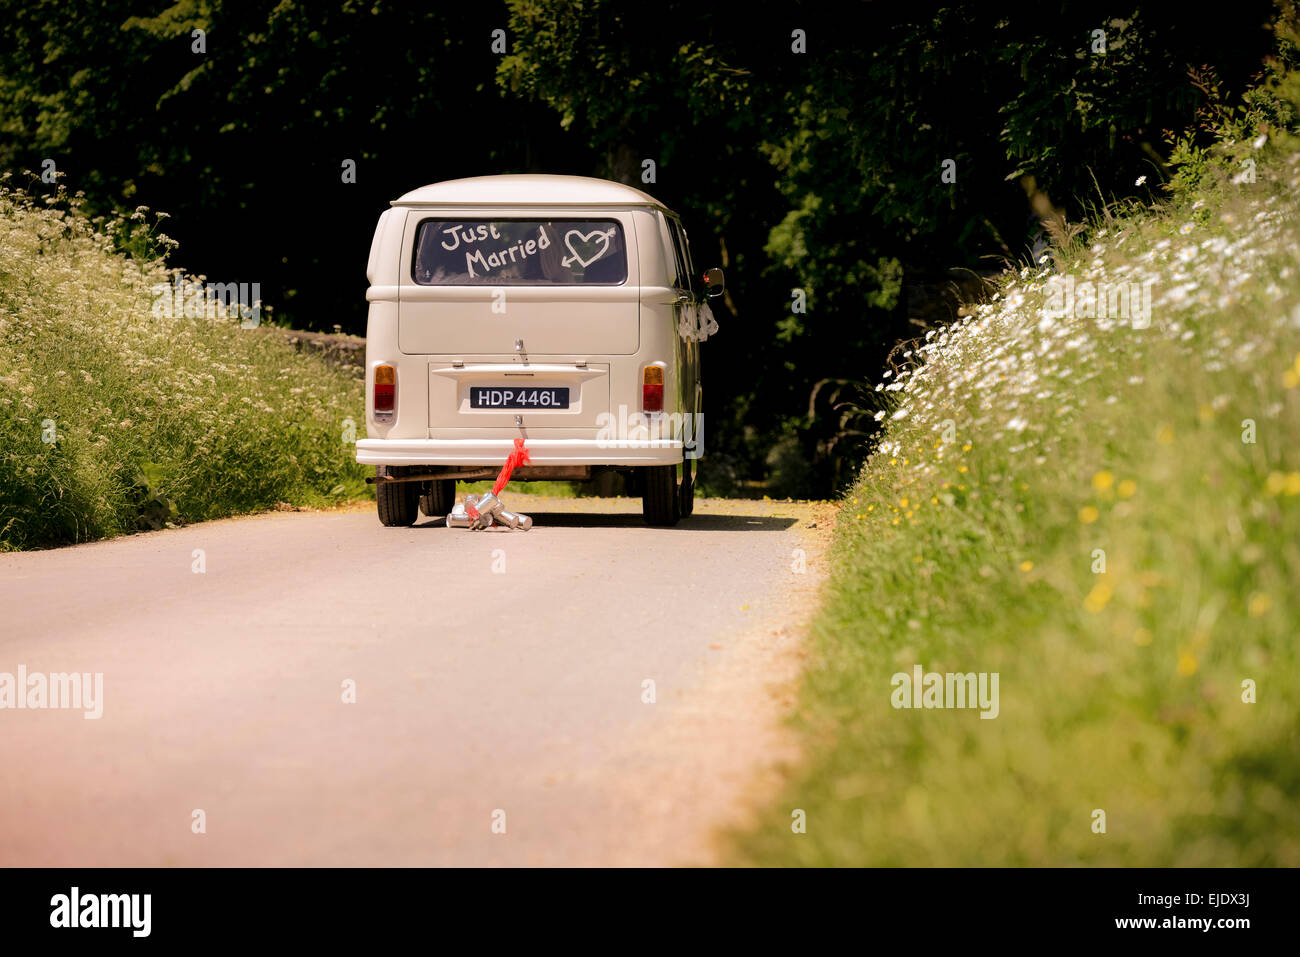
x,y
502,710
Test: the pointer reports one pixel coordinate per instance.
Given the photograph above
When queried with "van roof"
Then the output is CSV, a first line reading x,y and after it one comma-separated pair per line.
x,y
533,189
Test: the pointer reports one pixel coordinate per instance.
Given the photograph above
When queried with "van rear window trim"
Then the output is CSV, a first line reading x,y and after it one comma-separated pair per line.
x,y
420,222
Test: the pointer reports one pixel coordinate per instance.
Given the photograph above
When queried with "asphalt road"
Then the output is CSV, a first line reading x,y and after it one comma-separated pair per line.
x,y
483,697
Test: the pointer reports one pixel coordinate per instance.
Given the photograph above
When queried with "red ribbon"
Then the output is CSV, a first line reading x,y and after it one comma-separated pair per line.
x,y
516,458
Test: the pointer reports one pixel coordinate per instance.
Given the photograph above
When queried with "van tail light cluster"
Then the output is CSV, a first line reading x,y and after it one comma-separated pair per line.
x,y
652,389
385,389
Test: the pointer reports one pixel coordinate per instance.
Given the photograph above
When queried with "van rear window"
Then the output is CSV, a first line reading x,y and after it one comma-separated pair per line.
x,y
519,252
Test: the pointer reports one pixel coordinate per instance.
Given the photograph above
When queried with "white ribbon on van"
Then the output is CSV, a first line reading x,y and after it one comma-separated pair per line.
x,y
697,322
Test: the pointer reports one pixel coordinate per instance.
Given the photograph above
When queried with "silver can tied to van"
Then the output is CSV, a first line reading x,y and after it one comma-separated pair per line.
x,y
486,505
478,512
458,517
513,520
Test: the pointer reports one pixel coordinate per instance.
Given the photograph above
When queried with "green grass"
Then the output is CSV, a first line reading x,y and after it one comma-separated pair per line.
x,y
1120,690
154,420
543,488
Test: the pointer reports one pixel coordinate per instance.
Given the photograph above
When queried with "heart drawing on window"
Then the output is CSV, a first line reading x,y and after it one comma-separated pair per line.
x,y
588,242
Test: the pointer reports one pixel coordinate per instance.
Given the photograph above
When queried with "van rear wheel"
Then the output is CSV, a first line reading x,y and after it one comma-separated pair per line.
x,y
438,497
659,495
398,501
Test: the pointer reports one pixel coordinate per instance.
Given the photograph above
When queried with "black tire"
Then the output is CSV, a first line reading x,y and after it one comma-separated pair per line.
x,y
398,502
659,495
438,497
686,491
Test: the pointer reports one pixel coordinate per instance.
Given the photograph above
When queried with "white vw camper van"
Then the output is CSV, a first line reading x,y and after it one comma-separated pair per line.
x,y
560,309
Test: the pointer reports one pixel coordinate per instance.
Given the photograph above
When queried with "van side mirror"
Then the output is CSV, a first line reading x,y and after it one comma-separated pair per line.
x,y
714,284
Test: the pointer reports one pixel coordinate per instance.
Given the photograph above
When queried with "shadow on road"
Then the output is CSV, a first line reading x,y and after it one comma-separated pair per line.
x,y
696,523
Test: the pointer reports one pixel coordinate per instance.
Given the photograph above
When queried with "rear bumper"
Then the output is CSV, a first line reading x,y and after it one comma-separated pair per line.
x,y
540,451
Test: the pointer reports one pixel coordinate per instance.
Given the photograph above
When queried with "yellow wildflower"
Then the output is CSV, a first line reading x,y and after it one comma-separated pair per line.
x,y
1098,597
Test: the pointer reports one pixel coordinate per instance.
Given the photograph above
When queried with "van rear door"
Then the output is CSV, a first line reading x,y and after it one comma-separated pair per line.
x,y
478,285
515,312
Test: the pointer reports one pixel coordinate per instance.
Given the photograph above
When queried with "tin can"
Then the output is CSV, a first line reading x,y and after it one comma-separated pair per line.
x,y
513,520
458,517
486,506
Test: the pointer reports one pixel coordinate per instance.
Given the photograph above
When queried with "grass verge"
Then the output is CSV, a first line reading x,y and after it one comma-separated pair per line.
x,y
114,418
1106,514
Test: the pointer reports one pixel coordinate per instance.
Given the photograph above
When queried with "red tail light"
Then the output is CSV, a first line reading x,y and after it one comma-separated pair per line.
x,y
652,389
385,388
